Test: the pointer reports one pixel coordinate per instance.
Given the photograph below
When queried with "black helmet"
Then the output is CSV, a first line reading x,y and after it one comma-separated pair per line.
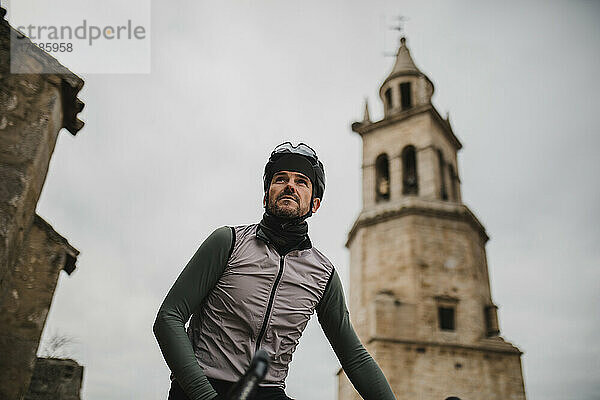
x,y
302,150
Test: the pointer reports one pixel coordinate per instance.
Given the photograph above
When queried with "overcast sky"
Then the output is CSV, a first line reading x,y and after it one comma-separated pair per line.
x,y
167,157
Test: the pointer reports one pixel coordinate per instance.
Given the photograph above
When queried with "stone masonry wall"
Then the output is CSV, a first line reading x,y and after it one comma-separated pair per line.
x,y
23,309
426,372
414,258
30,119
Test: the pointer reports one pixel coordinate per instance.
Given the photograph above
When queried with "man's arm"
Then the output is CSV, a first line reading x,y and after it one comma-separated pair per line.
x,y
187,293
361,369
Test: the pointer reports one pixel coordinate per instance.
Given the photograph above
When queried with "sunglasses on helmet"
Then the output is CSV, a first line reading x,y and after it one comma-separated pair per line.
x,y
301,148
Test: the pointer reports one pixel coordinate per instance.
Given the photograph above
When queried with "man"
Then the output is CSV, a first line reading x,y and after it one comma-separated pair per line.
x,y
256,286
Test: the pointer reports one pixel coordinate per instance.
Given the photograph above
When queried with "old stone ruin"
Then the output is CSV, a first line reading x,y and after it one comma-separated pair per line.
x,y
34,107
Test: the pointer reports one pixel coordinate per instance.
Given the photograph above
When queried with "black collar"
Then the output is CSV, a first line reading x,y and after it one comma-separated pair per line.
x,y
303,245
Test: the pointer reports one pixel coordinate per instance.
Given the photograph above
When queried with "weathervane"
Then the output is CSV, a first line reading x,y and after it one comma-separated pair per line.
x,y
399,26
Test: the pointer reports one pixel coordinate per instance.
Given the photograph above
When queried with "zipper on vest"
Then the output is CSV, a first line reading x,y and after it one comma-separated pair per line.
x,y
263,329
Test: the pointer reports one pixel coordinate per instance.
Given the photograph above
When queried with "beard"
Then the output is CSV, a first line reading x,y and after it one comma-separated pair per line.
x,y
285,212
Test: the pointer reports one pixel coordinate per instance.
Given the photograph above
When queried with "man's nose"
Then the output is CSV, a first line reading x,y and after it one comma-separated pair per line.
x,y
291,186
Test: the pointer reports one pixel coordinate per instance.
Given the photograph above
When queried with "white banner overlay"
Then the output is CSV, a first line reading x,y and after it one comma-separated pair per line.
x,y
86,36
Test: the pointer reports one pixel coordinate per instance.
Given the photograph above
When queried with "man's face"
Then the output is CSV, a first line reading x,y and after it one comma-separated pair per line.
x,y
289,195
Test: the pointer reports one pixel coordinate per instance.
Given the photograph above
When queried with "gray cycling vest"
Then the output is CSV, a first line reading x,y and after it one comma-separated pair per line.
x,y
261,300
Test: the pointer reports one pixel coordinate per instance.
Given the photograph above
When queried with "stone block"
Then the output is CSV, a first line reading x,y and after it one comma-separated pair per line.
x,y
55,379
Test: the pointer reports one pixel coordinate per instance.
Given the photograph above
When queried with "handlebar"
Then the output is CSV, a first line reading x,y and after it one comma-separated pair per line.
x,y
248,384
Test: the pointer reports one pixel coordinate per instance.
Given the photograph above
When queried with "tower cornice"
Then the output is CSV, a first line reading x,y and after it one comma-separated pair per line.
x,y
365,127
496,345
416,206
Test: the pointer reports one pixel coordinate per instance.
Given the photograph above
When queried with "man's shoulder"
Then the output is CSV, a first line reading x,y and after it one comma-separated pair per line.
x,y
230,233
321,258
243,230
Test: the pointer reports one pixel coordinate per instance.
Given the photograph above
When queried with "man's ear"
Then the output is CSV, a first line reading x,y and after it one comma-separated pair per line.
x,y
316,205
265,200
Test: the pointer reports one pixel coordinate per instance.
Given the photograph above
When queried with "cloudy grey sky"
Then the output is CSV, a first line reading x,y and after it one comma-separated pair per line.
x,y
167,157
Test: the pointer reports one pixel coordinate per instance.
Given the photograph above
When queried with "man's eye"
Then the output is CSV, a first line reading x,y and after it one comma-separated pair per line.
x,y
302,181
279,179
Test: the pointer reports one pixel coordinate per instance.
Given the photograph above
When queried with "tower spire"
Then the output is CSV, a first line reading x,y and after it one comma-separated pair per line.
x,y
404,62
366,117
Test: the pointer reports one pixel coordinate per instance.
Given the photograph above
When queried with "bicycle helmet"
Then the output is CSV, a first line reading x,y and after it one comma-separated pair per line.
x,y
287,154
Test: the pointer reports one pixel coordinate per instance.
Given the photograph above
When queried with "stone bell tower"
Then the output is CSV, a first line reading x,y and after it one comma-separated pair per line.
x,y
419,286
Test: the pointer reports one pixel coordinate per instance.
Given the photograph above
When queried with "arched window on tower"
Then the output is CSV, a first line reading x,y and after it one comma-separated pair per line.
x,y
453,184
410,184
443,191
405,96
388,98
382,178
